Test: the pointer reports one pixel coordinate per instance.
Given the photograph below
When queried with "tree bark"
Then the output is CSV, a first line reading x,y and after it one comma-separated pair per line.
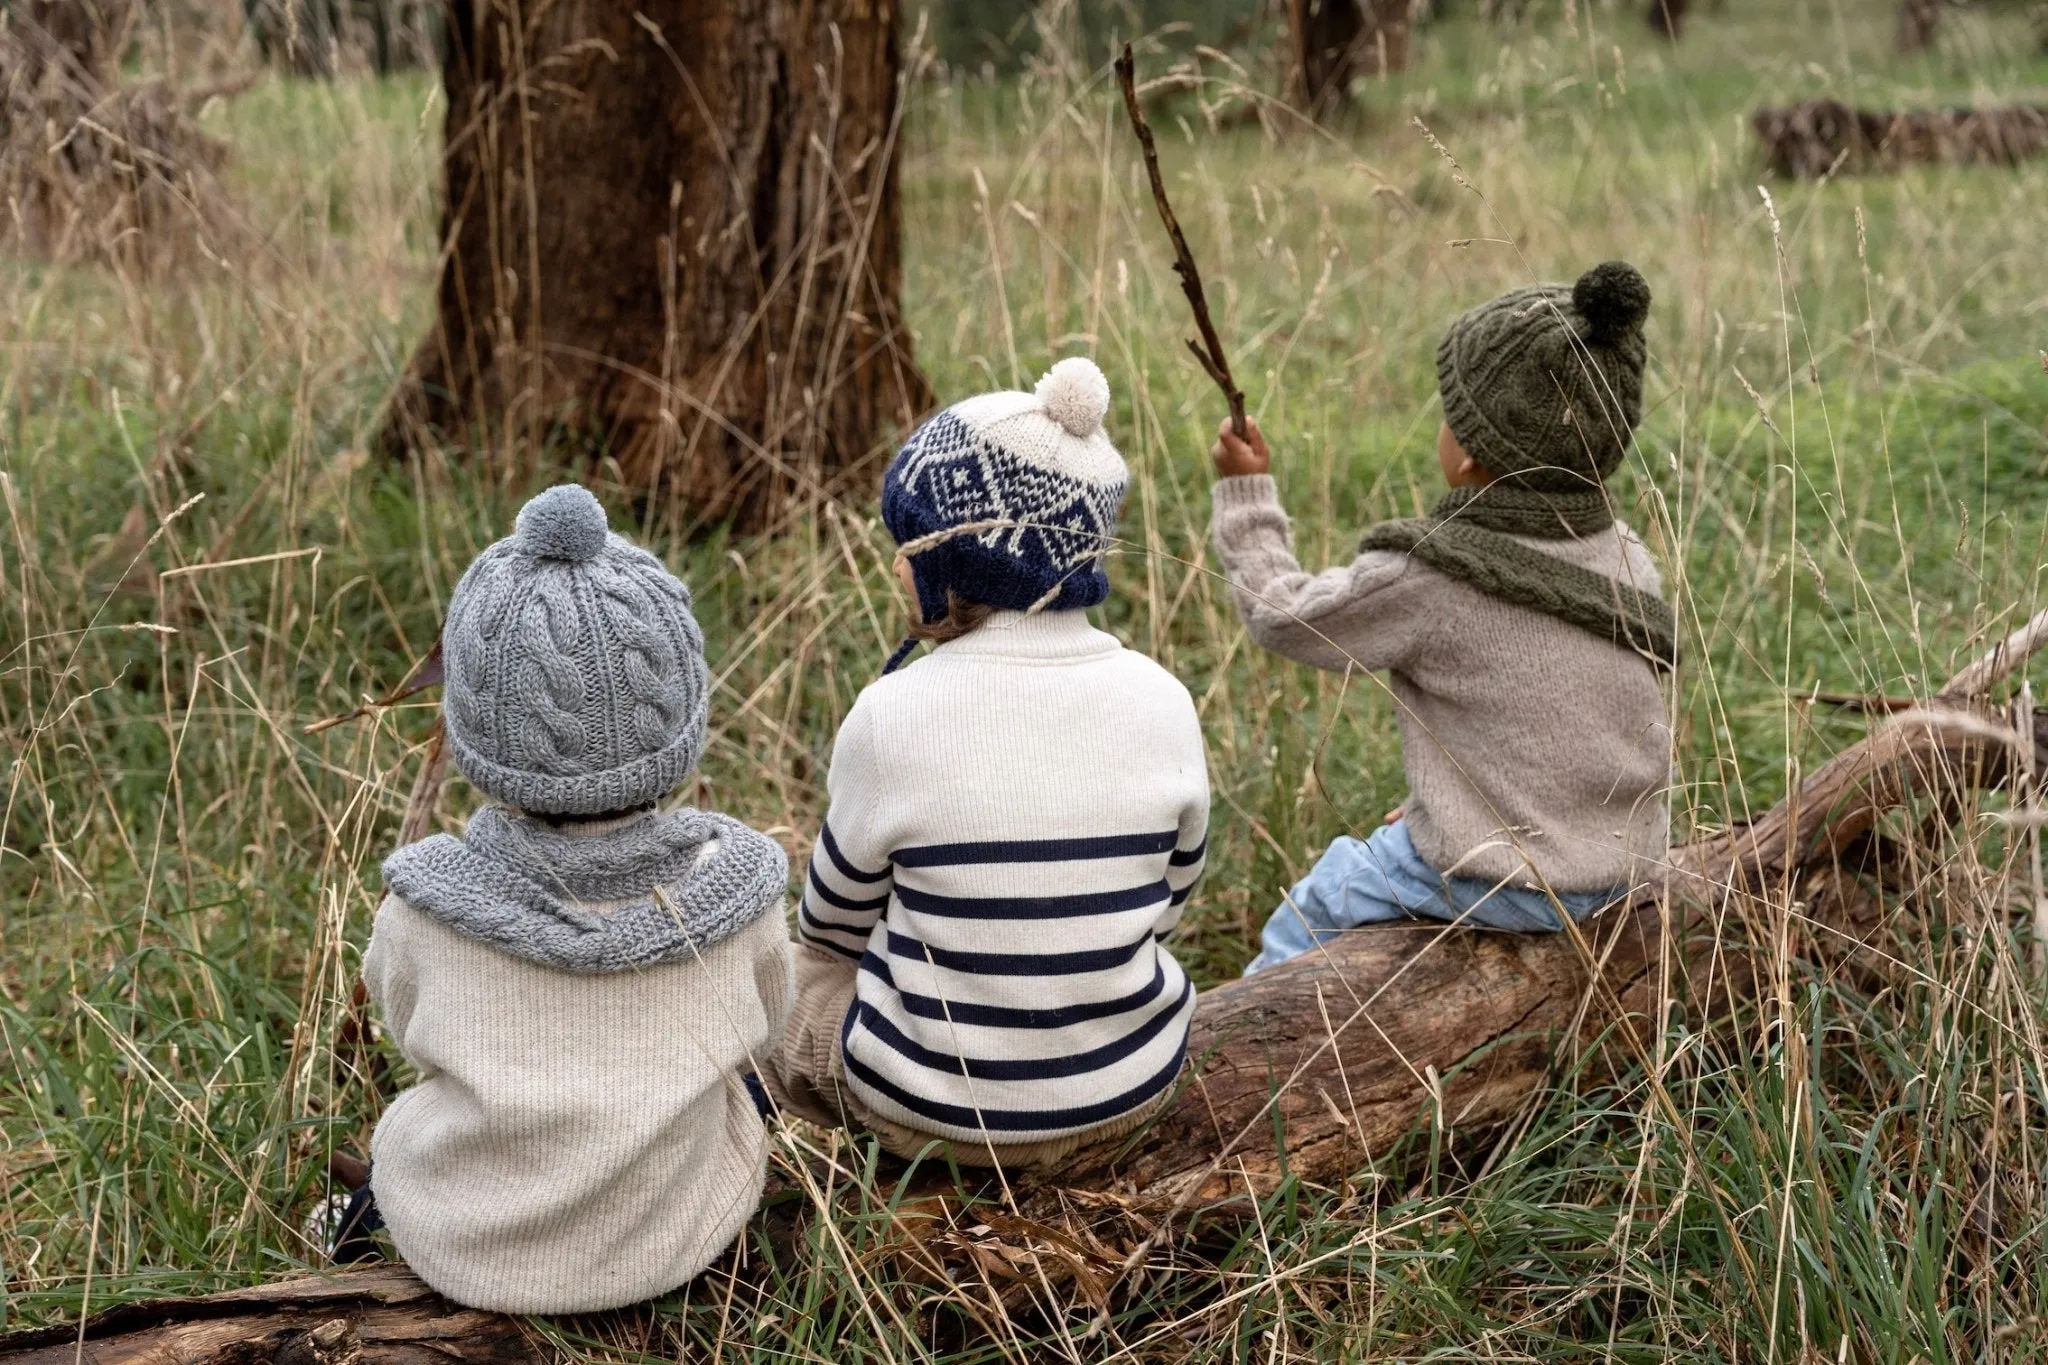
x,y
1667,17
382,1316
672,232
1335,41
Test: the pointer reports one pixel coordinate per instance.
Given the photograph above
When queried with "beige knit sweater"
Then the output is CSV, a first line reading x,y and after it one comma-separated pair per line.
x,y
574,1142
1534,751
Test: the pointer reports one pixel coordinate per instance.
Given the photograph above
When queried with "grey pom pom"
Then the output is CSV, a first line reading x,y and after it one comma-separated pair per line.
x,y
565,522
1612,297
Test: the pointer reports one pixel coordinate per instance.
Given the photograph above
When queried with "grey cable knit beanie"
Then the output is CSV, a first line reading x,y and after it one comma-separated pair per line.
x,y
575,671
1544,385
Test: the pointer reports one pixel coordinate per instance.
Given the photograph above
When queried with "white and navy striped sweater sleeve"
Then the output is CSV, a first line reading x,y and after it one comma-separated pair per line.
x,y
1013,986
846,893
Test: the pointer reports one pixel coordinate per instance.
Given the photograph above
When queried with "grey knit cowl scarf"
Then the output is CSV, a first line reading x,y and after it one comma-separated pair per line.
x,y
1469,536
690,878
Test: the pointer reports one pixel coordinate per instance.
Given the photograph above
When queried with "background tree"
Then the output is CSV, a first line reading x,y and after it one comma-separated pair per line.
x,y
1333,42
672,231
1919,21
1667,17
93,168
324,37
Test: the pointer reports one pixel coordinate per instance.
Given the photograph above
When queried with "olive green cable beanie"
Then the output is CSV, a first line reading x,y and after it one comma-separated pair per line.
x,y
1543,386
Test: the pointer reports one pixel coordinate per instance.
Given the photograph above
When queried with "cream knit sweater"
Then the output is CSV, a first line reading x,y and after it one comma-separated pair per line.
x,y
575,1141
1534,751
1016,822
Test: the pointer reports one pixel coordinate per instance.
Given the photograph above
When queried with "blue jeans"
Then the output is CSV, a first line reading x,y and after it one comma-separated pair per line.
x,y
1383,879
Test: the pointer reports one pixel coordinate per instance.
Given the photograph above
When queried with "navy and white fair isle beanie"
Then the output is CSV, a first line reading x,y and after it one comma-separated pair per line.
x,y
575,669
1010,499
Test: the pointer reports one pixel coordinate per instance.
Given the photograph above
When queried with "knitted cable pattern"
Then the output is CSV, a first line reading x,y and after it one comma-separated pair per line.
x,y
1461,547
654,699
552,735
576,680
1527,511
510,882
1546,382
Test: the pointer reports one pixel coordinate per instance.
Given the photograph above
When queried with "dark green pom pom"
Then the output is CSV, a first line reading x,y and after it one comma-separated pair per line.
x,y
1612,297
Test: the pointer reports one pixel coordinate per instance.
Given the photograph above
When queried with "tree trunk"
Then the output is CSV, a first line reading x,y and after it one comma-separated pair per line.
x,y
1667,17
1919,21
1335,41
671,231
1387,27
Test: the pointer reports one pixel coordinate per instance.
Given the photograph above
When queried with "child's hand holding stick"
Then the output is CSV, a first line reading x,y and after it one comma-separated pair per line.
x,y
1236,453
1210,350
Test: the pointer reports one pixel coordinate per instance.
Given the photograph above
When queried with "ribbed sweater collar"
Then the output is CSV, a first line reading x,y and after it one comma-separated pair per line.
x,y
677,884
1041,635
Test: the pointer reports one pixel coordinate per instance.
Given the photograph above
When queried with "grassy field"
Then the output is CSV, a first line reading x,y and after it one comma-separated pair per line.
x,y
1844,471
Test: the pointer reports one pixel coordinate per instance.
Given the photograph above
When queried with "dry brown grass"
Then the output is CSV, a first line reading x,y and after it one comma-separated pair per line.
x,y
1842,472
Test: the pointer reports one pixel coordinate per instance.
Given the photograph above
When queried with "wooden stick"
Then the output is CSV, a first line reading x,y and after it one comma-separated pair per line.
x,y
1870,703
428,674
1210,351
426,788
353,1039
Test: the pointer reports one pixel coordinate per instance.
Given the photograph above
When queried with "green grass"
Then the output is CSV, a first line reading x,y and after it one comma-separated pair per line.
x,y
186,876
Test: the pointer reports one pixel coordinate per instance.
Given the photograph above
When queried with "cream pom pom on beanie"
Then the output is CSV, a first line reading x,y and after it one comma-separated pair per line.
x,y
1010,499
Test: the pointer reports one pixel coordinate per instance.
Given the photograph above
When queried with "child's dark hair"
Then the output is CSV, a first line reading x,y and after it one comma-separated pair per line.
x,y
962,618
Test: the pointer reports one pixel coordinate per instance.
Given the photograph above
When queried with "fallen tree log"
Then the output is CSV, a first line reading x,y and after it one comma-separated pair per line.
x,y
1819,137
1382,1033
1349,1046
383,1315
1353,1045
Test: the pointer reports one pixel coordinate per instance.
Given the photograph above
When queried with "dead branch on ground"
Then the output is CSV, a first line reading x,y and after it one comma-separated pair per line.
x,y
1819,137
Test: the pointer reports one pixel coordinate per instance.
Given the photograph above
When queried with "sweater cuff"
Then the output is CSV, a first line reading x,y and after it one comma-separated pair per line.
x,y
1246,491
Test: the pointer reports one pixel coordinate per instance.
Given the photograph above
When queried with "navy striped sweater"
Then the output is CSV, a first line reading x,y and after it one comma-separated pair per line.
x,y
1016,822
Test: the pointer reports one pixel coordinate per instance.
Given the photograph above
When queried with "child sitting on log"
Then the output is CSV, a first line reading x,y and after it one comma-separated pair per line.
x,y
584,985
1520,623
1015,820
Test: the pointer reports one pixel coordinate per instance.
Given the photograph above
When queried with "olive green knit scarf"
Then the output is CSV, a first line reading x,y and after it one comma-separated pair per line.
x,y
1468,536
